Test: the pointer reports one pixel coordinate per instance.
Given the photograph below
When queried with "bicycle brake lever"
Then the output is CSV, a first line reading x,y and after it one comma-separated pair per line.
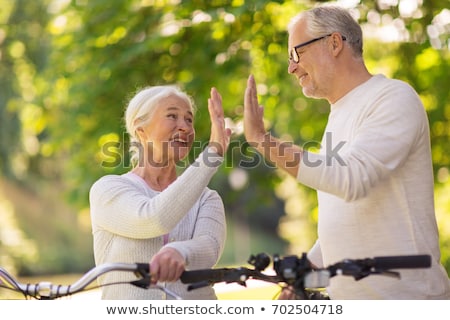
x,y
142,283
202,284
362,275
392,274
243,283
166,291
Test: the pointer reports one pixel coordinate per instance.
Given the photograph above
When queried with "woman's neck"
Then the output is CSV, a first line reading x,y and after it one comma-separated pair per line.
x,y
157,178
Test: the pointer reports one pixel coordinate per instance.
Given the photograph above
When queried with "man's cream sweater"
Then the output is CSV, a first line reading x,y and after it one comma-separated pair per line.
x,y
374,178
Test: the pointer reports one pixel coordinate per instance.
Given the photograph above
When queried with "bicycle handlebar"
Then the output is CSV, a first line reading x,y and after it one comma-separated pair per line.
x,y
290,270
227,275
48,291
299,273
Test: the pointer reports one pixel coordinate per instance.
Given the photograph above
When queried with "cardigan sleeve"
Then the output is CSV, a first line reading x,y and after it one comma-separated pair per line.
x,y
205,247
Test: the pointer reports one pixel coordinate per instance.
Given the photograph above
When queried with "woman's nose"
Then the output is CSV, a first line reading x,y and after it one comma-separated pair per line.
x,y
183,125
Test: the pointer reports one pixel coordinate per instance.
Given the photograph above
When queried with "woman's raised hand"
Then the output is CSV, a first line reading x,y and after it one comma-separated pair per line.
x,y
220,135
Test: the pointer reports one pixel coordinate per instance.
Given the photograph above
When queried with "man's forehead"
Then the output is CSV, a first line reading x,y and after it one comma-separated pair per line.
x,y
297,32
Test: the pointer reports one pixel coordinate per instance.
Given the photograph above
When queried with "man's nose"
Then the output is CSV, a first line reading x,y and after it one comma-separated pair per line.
x,y
292,66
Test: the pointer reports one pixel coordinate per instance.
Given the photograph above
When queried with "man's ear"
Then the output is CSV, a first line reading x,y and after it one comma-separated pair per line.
x,y
337,43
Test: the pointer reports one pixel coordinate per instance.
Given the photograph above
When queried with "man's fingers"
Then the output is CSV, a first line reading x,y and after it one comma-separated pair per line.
x,y
251,98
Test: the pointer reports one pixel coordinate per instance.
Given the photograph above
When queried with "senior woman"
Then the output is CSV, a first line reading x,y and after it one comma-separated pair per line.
x,y
152,214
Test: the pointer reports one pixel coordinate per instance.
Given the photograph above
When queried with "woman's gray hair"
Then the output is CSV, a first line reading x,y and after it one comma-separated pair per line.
x,y
327,19
140,110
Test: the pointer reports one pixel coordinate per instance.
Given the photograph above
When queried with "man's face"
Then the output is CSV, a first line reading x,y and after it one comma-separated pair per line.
x,y
311,54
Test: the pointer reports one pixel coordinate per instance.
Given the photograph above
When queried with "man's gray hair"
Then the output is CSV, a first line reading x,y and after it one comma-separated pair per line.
x,y
324,20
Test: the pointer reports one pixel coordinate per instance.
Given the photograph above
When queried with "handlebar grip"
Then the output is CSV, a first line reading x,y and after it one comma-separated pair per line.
x,y
402,262
209,275
143,266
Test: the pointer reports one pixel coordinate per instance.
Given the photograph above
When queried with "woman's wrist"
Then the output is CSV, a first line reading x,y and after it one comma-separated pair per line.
x,y
211,156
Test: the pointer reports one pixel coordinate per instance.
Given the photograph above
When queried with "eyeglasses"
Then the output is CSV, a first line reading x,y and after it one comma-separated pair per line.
x,y
294,55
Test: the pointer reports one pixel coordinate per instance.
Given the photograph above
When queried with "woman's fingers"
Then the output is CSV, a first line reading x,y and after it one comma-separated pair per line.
x,y
167,265
216,112
220,136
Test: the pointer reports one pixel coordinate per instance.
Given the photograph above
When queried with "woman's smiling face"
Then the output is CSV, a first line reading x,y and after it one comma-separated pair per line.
x,y
169,134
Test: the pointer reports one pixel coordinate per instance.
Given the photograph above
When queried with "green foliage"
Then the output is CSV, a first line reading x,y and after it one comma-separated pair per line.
x,y
67,72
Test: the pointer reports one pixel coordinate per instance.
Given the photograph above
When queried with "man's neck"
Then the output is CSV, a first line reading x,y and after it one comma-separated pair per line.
x,y
351,76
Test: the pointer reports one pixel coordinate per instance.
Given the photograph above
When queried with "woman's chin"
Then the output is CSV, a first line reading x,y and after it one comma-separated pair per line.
x,y
180,154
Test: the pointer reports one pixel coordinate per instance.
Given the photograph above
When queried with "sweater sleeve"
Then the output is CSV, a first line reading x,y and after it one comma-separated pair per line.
x,y
382,140
315,255
205,247
120,207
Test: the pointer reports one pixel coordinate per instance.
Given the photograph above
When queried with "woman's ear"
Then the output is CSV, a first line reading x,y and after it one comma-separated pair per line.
x,y
140,133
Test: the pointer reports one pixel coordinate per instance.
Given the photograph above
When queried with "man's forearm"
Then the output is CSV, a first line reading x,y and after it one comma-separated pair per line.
x,y
285,155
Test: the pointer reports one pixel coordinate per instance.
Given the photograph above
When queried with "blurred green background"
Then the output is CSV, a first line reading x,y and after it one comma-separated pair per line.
x,y
67,68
